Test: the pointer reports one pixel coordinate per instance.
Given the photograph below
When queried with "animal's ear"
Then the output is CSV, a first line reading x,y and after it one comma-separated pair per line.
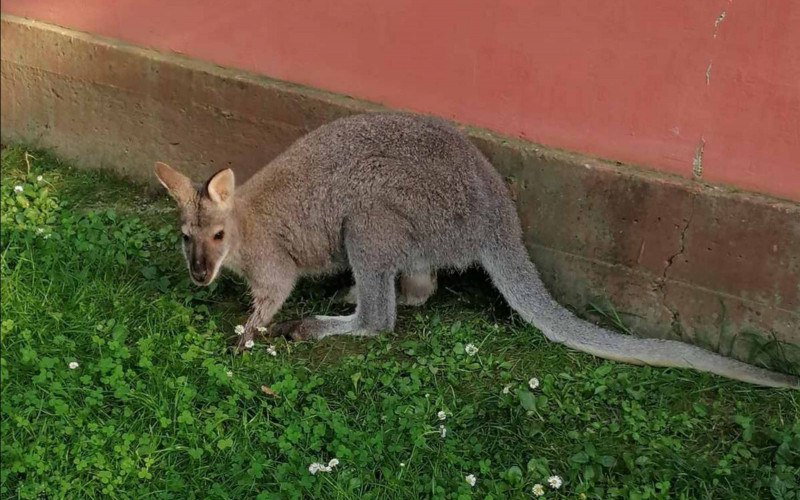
x,y
178,185
220,186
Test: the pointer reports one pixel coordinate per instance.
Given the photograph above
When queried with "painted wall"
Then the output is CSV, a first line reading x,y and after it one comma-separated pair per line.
x,y
693,87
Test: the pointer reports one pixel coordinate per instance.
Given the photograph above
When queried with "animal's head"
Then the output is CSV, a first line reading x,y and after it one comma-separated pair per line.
x,y
208,229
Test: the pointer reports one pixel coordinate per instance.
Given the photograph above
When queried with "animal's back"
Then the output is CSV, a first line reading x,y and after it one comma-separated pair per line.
x,y
419,175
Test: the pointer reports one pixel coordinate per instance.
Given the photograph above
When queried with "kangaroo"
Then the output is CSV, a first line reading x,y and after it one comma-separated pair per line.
x,y
387,194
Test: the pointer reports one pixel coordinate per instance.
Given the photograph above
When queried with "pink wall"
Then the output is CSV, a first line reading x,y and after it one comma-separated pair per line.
x,y
650,83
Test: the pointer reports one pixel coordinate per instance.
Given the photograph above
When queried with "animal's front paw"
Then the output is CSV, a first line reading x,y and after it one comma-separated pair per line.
x,y
291,330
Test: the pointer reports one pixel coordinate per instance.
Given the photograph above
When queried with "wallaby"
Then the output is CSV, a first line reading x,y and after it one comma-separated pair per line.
x,y
387,194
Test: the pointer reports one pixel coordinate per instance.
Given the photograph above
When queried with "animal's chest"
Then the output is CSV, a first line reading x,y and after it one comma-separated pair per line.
x,y
232,263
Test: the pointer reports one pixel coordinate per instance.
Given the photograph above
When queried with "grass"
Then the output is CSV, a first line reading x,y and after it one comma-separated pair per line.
x,y
157,408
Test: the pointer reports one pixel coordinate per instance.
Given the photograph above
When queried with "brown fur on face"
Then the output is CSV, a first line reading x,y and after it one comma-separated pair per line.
x,y
208,230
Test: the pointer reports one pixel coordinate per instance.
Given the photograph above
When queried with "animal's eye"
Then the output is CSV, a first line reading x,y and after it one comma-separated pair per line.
x,y
185,237
219,235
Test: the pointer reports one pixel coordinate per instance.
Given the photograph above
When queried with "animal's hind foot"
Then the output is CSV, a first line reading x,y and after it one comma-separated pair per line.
x,y
319,327
414,290
289,329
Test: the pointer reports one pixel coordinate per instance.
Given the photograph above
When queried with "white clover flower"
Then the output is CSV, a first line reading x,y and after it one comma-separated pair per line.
x,y
239,329
441,415
471,350
443,431
39,178
271,351
73,365
249,344
538,490
318,467
554,482
507,389
402,464
39,230
533,383
262,329
229,373
18,188
334,462
471,479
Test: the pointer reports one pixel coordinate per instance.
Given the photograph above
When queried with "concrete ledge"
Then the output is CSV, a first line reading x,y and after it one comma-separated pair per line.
x,y
686,260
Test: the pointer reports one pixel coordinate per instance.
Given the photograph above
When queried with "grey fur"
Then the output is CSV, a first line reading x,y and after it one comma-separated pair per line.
x,y
387,194
415,289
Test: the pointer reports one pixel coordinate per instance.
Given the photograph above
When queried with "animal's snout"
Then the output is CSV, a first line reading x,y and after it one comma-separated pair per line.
x,y
200,275
199,271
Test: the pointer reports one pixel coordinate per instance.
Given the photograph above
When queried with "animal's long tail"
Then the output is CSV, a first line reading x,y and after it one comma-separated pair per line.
x,y
518,280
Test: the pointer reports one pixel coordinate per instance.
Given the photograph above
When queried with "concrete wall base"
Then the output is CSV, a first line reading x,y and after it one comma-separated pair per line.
x,y
679,259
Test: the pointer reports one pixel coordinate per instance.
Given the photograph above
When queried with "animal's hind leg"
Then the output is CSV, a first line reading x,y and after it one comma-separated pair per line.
x,y
416,288
375,312
348,295
374,245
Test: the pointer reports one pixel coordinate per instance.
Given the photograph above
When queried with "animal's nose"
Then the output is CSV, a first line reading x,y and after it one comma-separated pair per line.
x,y
199,275
199,271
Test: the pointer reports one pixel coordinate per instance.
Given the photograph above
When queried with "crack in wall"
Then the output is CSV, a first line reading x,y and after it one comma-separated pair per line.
x,y
682,240
675,324
661,283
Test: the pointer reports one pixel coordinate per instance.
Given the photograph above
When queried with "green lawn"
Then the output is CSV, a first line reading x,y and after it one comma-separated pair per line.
x,y
157,408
